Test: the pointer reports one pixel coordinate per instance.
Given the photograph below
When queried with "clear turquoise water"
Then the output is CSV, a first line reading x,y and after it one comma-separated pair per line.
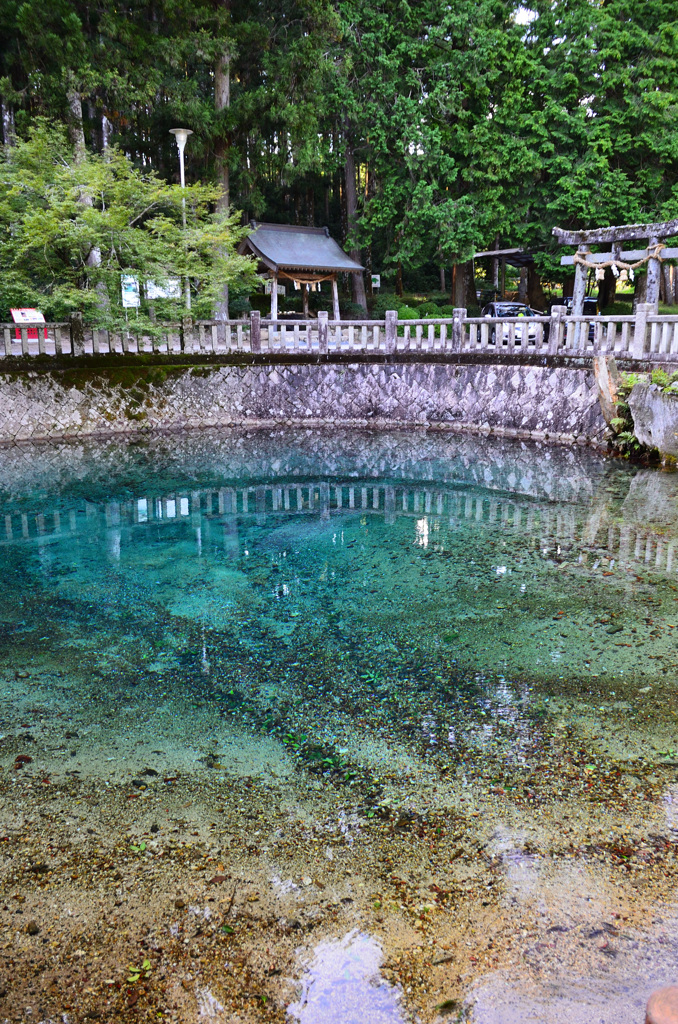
x,y
413,623
338,592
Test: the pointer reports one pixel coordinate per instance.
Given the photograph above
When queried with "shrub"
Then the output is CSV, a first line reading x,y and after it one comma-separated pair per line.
x,y
260,302
430,310
318,301
380,303
239,306
352,310
666,381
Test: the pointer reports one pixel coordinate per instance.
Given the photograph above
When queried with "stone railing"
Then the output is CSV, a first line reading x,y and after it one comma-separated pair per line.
x,y
644,337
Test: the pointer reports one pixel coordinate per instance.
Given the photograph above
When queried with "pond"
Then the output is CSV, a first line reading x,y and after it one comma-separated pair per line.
x,y
287,702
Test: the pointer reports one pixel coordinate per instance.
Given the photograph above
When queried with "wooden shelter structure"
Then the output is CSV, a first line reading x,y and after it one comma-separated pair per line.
x,y
616,258
301,255
522,259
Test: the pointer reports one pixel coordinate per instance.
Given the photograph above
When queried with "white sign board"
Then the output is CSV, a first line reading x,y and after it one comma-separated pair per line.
x,y
376,280
130,292
268,285
27,316
171,289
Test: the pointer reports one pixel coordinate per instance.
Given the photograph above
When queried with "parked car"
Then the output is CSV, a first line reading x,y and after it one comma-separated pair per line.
x,y
590,305
590,309
527,333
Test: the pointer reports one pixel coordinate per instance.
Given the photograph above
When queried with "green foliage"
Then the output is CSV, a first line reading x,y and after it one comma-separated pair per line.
x,y
70,227
461,122
352,311
660,377
629,381
619,307
627,443
239,306
382,303
429,309
666,381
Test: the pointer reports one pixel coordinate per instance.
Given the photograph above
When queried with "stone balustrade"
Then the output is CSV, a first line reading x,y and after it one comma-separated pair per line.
x,y
644,337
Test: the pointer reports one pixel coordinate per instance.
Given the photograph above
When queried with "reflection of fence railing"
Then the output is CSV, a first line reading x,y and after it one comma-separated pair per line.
x,y
644,336
547,525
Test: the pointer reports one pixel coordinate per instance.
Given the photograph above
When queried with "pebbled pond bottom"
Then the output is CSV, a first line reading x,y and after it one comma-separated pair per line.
x,y
264,690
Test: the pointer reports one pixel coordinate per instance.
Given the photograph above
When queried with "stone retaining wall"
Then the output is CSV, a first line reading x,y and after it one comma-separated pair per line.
x,y
522,401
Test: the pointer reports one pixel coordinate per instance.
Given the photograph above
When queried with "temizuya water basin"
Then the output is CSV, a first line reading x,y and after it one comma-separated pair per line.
x,y
390,716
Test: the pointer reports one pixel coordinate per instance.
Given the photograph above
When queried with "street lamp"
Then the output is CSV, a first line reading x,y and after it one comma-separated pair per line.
x,y
181,135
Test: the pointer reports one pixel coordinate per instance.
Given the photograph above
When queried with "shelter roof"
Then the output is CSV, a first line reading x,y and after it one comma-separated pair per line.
x,y
514,257
292,247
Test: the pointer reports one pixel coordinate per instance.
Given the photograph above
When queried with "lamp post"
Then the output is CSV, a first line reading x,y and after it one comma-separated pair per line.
x,y
181,135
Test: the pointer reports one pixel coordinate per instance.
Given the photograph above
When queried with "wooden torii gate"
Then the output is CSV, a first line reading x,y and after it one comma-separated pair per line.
x,y
584,260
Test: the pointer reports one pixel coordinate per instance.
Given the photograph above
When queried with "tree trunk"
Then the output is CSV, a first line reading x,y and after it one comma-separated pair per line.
x,y
463,285
222,101
359,295
457,295
442,280
639,290
535,292
607,289
77,131
522,285
106,132
568,286
471,292
8,129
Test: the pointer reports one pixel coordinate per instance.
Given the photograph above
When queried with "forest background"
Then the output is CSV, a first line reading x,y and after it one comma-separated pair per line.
x,y
419,132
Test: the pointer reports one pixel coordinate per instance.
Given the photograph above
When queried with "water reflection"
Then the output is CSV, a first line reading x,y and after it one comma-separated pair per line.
x,y
342,986
608,534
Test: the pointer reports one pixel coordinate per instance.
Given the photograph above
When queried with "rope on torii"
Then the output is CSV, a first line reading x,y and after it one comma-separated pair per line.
x,y
618,264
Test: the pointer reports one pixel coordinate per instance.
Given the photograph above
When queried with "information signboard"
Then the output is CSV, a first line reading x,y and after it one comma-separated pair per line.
x,y
24,317
130,292
171,289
